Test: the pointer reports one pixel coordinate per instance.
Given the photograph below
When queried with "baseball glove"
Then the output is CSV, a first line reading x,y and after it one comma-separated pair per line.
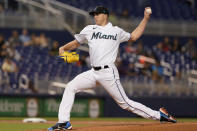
x,y
70,57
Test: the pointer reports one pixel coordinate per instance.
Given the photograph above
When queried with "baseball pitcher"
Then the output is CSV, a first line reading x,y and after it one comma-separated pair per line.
x,y
103,40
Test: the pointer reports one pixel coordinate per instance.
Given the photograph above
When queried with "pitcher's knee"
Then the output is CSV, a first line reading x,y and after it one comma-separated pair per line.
x,y
124,105
71,87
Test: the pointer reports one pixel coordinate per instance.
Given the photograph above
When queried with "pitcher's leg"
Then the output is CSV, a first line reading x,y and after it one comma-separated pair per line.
x,y
80,82
66,103
110,81
135,107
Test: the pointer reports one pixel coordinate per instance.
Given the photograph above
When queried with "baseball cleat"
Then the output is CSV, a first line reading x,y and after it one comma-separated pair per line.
x,y
165,117
61,126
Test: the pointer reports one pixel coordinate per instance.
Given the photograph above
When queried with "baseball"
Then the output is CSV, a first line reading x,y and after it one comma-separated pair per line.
x,y
148,11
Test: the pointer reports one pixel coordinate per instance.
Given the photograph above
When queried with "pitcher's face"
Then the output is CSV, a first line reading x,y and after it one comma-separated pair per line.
x,y
100,19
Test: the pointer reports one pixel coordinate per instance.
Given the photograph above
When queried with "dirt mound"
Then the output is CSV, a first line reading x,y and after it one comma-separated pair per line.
x,y
140,126
131,126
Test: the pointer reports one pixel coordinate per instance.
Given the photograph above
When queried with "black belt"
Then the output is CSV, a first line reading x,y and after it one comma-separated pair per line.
x,y
99,67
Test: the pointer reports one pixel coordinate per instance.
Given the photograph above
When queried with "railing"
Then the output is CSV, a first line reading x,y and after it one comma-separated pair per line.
x,y
30,21
54,15
50,15
158,27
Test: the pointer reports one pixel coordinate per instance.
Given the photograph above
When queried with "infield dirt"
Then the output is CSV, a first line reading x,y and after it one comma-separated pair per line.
x,y
131,126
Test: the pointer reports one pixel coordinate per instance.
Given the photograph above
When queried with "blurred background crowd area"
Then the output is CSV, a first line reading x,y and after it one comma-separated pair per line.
x,y
164,9
159,64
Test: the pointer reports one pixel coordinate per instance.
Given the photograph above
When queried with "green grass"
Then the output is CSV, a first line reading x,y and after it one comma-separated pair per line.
x,y
27,126
187,119
81,119
109,119
22,126
99,119
17,126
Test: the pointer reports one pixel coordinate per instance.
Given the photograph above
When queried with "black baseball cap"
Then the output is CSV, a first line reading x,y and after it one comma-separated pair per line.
x,y
99,10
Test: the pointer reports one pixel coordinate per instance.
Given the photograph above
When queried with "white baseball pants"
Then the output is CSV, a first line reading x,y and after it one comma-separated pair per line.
x,y
109,79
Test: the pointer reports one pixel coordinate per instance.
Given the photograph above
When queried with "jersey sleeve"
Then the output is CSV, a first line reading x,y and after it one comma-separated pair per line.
x,y
81,37
124,36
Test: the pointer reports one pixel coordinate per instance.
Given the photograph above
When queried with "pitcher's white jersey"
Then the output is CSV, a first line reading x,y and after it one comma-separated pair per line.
x,y
103,48
103,42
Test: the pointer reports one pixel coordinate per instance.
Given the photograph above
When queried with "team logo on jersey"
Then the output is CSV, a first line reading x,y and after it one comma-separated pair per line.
x,y
99,35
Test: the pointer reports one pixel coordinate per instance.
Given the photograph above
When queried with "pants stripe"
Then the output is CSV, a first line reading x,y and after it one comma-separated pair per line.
x,y
124,98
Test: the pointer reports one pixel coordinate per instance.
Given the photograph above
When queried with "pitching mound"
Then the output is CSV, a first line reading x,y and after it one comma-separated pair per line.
x,y
139,126
131,126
